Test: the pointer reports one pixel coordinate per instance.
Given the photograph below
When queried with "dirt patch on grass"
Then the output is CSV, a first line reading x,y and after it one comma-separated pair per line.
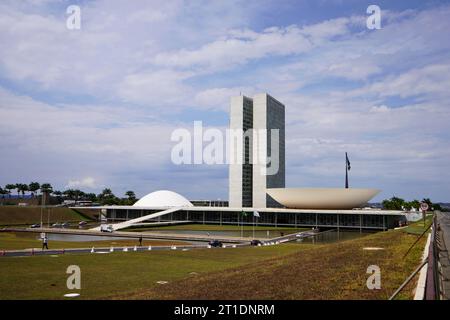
x,y
330,271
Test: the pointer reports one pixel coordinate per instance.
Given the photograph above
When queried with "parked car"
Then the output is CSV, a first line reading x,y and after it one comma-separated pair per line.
x,y
215,243
57,225
82,223
65,225
106,228
36,225
255,243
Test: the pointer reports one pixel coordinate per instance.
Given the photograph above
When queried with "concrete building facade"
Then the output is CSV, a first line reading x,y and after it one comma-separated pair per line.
x,y
263,150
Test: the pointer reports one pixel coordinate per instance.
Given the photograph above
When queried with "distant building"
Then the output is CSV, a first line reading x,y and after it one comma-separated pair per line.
x,y
249,180
209,203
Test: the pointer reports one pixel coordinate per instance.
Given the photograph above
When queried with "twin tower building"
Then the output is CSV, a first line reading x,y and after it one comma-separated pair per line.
x,y
262,165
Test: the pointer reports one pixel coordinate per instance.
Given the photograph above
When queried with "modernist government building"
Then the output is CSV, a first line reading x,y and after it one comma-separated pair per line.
x,y
257,195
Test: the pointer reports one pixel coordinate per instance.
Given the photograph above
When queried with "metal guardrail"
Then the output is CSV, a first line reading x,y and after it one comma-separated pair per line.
x,y
434,276
432,286
435,289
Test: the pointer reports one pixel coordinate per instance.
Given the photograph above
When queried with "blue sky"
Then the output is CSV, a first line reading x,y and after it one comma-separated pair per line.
x,y
95,107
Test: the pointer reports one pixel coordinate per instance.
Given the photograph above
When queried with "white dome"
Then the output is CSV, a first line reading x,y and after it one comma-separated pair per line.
x,y
163,198
322,198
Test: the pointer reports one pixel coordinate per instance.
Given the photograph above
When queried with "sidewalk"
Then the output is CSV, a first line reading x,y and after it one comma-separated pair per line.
x,y
443,240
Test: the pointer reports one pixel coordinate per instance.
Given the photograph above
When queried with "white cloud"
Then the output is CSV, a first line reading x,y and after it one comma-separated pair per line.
x,y
157,88
219,98
64,141
431,80
240,46
87,182
149,15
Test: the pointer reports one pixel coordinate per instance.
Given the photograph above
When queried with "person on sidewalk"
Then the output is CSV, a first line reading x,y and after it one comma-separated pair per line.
x,y
140,241
45,242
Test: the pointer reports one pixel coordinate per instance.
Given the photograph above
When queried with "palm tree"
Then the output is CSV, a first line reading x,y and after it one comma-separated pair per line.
x,y
91,197
131,195
17,187
24,189
107,197
33,187
76,194
21,188
46,189
107,191
57,193
10,187
69,194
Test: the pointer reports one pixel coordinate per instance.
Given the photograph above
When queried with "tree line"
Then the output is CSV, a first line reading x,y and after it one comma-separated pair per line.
x,y
106,197
396,203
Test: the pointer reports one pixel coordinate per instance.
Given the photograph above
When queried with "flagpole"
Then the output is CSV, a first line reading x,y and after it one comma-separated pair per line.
x,y
346,171
238,219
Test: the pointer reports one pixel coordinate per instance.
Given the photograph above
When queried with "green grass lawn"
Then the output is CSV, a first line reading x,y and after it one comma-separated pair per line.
x,y
419,227
328,271
288,271
120,274
15,215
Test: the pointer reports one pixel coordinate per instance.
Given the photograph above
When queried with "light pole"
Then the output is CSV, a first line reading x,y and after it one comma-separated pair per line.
x,y
42,209
242,226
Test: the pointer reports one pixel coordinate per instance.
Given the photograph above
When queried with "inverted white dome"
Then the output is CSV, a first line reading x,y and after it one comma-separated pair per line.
x,y
163,198
322,198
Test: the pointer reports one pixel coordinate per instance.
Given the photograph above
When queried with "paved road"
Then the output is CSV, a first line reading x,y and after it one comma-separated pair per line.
x,y
443,220
132,235
104,250
39,252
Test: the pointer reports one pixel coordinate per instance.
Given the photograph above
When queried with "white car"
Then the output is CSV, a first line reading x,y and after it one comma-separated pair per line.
x,y
106,228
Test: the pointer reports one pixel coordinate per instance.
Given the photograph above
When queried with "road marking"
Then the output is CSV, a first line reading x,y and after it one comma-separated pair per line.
x,y
71,295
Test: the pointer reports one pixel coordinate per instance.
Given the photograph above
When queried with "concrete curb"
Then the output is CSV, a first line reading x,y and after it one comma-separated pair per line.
x,y
420,288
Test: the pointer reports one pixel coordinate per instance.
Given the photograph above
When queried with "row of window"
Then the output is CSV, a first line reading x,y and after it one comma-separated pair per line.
x,y
273,218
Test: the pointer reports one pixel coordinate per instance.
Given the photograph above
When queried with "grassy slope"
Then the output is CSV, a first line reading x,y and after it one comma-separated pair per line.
x,y
102,276
331,271
418,227
13,215
288,271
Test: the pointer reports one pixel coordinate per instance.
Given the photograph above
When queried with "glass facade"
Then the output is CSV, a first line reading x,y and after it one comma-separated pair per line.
x,y
247,167
275,120
287,219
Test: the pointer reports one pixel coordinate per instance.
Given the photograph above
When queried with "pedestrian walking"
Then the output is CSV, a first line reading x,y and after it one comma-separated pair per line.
x,y
45,242
140,241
